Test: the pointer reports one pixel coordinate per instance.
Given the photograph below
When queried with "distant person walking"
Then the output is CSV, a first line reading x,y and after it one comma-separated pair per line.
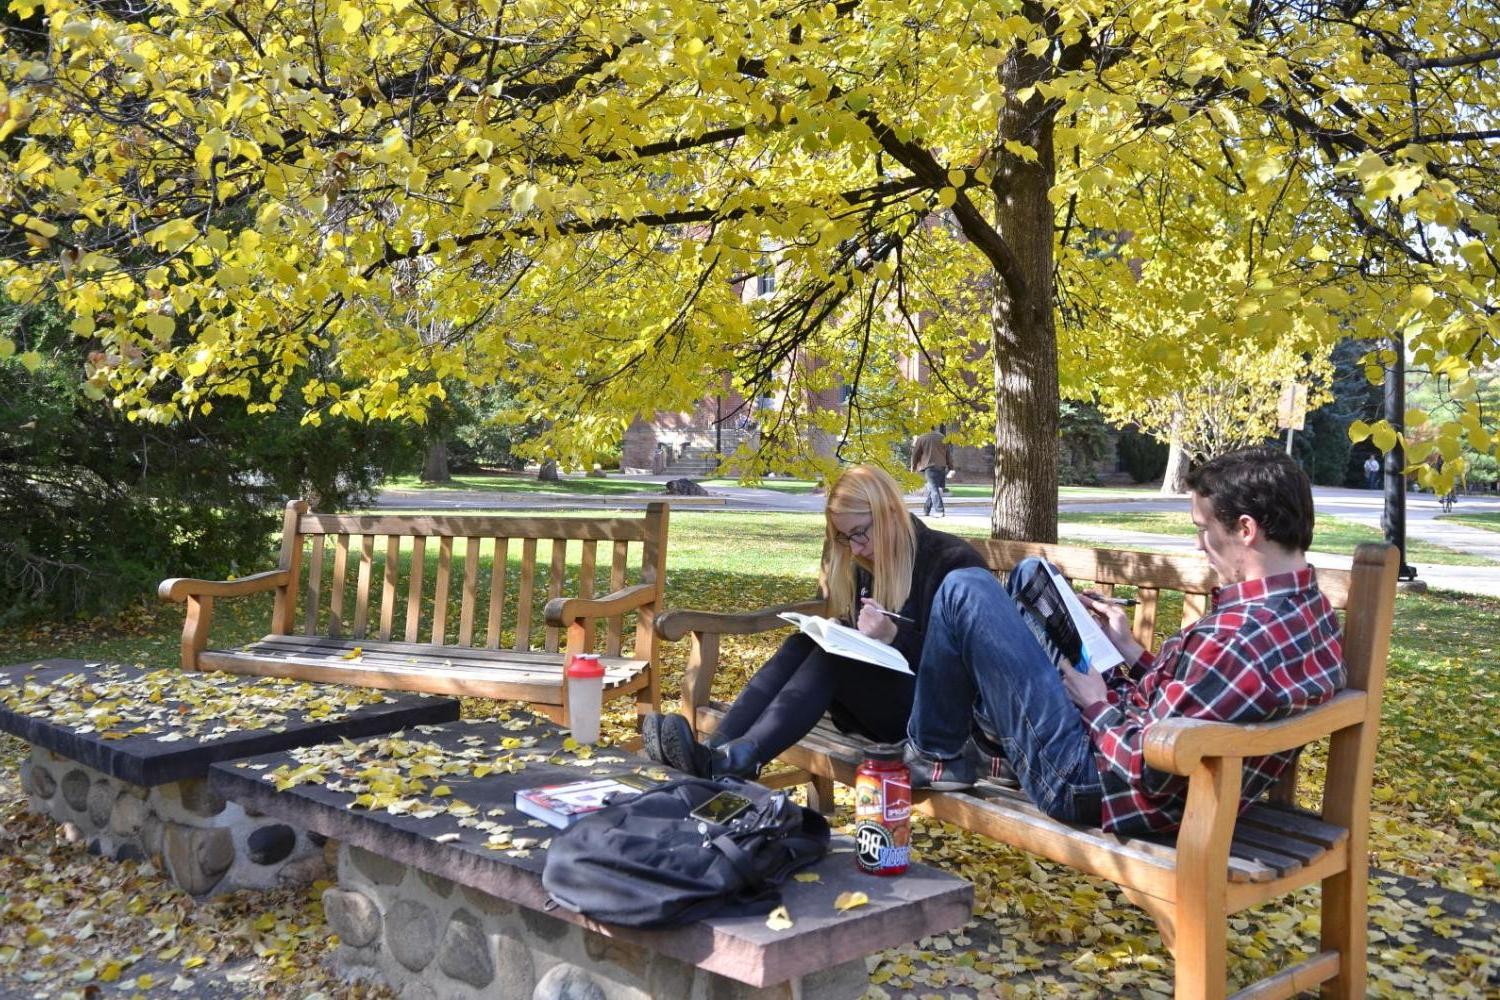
x,y
929,456
1372,473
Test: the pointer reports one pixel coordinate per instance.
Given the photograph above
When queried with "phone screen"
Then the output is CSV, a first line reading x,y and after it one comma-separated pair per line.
x,y
722,807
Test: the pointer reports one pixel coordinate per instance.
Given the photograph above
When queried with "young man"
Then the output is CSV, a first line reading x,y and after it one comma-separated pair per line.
x,y
1269,647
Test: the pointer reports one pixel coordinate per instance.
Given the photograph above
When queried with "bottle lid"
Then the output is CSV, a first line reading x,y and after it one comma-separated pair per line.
x,y
884,751
585,665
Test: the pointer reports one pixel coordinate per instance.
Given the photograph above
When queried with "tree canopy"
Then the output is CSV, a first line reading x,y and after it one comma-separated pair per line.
x,y
369,199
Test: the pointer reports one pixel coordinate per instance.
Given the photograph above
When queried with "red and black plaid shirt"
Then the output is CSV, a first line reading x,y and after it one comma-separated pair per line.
x,y
1267,649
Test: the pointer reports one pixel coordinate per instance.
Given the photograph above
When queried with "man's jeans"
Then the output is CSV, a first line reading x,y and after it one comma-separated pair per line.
x,y
933,495
982,663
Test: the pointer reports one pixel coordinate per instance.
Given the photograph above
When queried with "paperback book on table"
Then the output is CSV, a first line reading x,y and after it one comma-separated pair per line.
x,y
562,805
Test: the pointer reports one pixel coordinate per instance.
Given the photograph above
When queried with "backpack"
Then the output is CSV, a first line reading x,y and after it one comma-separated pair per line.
x,y
645,862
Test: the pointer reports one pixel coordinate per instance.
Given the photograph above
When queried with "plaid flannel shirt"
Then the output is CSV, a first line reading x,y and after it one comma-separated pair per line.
x,y
1267,649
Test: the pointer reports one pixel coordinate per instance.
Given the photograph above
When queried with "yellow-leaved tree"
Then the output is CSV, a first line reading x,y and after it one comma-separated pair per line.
x,y
385,196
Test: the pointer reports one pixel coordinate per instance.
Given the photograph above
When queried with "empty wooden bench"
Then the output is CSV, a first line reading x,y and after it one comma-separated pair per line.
x,y
355,604
1217,864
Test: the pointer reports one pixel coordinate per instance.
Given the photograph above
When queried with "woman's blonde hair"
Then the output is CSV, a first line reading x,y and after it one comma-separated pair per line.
x,y
866,489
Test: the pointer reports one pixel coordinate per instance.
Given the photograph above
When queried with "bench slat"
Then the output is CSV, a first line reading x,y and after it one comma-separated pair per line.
x,y
1290,821
388,589
429,657
415,574
523,598
340,581
325,646
616,583
471,592
362,586
499,560
1304,851
440,589
479,682
314,584
586,587
554,587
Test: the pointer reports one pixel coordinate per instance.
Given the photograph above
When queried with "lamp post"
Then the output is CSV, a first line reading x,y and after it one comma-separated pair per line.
x,y
1393,516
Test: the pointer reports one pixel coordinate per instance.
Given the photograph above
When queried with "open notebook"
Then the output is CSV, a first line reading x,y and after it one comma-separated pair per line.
x,y
842,640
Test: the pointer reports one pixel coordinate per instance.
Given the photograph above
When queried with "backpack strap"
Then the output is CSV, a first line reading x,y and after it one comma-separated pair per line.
x,y
736,856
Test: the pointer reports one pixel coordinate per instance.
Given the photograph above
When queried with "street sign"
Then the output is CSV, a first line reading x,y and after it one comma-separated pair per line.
x,y
1291,412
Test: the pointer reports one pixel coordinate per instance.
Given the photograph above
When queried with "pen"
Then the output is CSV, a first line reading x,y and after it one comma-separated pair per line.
x,y
1119,602
888,614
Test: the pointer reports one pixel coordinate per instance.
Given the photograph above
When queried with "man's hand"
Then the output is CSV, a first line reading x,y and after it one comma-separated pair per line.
x,y
1115,623
1084,688
873,623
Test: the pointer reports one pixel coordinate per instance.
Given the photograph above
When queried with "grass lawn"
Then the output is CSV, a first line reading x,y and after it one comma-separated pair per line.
x,y
1333,534
1435,825
1490,522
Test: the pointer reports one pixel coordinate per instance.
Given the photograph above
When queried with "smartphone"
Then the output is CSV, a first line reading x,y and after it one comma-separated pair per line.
x,y
722,808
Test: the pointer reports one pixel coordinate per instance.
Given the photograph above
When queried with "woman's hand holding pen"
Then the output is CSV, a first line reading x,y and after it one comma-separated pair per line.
x,y
875,621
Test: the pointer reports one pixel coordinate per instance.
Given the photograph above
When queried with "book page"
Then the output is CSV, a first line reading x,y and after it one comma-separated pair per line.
x,y
1101,653
842,640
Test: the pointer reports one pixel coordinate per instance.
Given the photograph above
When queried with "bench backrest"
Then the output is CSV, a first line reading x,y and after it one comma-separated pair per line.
x,y
366,576
1364,594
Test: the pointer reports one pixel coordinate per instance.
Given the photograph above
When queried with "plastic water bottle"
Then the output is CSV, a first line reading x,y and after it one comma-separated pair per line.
x,y
585,696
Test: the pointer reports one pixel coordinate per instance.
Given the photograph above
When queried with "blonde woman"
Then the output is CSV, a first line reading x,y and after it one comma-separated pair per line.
x,y
876,556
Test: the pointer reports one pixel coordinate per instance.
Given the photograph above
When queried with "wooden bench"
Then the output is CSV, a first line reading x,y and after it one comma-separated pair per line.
x,y
488,648
1216,865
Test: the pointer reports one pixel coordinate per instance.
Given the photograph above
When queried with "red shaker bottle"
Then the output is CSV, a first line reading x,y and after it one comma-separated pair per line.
x,y
882,812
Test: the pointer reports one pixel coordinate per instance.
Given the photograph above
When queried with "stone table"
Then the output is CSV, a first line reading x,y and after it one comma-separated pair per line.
x,y
120,756
445,899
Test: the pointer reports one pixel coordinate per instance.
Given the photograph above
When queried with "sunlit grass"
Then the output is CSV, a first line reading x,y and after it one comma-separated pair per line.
x,y
1332,534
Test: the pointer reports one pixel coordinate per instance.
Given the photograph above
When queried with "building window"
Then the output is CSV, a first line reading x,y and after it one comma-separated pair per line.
x,y
765,281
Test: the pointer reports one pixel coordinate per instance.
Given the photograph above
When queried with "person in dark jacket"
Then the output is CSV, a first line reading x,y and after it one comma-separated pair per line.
x,y
876,556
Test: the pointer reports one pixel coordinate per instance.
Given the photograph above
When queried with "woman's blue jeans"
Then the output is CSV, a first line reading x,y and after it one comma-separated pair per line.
x,y
983,664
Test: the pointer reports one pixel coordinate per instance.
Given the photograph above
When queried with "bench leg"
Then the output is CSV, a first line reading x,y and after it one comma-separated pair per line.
x,y
1345,931
820,794
1159,910
1201,921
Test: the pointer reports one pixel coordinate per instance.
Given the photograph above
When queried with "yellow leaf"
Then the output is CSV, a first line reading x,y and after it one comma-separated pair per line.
x,y
351,17
31,361
808,877
947,196
354,653
849,900
779,919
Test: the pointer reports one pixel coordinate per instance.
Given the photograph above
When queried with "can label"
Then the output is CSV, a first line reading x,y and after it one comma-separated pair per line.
x,y
882,831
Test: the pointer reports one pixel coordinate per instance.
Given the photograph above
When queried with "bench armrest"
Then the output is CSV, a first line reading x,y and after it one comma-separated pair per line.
x,y
673,625
563,610
181,588
1178,746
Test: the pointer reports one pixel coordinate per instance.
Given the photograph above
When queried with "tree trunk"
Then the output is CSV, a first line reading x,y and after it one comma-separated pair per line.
x,y
1022,321
435,467
1174,479
548,472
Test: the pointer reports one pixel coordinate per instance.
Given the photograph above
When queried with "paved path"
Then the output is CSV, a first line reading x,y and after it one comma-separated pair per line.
x,y
1359,506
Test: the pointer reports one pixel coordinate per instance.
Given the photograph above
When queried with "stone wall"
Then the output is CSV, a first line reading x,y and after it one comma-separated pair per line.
x,y
428,938
206,845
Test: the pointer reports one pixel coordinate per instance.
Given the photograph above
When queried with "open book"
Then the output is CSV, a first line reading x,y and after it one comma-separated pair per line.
x,y
1075,633
842,640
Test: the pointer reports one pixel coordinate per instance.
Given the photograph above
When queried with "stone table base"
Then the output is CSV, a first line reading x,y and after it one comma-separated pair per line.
x,y
428,939
206,845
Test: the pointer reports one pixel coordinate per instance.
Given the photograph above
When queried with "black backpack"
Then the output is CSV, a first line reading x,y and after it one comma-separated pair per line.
x,y
645,862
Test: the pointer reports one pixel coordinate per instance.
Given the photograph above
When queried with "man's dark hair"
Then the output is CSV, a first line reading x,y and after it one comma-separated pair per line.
x,y
1264,484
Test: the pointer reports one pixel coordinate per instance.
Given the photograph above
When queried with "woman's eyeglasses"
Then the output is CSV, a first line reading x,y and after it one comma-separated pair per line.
x,y
856,537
